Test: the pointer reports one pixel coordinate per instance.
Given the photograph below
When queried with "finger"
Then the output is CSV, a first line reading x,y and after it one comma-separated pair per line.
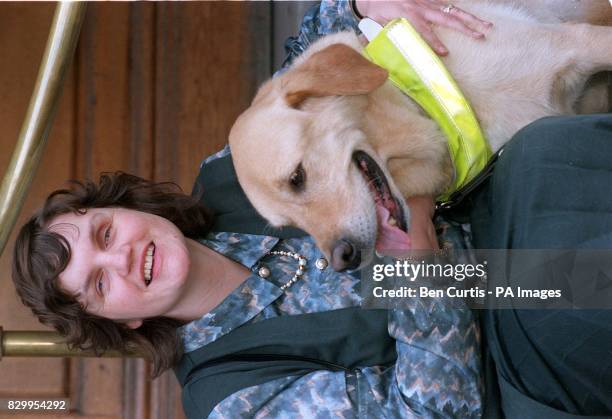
x,y
430,3
433,238
435,245
431,38
471,20
449,20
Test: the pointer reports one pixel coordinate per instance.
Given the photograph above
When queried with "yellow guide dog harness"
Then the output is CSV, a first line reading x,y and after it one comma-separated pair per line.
x,y
418,72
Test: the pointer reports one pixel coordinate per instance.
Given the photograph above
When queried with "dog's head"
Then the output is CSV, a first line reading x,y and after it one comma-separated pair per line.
x,y
303,159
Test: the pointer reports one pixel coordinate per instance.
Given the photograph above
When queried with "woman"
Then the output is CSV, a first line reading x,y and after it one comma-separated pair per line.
x,y
128,263
101,256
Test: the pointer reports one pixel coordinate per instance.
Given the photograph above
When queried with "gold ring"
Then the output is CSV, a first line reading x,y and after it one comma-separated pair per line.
x,y
448,8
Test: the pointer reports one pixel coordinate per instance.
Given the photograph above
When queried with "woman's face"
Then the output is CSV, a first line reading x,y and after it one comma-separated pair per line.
x,y
125,265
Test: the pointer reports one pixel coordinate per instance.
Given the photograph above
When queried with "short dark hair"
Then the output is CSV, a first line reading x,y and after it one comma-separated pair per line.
x,y
41,255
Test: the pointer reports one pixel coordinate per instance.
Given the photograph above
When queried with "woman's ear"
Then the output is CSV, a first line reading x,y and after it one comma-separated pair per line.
x,y
337,70
134,324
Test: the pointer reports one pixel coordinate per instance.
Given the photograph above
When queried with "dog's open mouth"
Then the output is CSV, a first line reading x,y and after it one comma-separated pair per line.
x,y
392,229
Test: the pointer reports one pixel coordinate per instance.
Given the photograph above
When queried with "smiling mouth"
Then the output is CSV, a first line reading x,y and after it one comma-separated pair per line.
x,y
392,232
148,264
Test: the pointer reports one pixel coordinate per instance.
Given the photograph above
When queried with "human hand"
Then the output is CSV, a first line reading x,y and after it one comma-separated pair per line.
x,y
422,230
422,14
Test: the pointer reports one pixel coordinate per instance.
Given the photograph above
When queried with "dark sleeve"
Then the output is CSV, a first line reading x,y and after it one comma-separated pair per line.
x,y
550,190
218,189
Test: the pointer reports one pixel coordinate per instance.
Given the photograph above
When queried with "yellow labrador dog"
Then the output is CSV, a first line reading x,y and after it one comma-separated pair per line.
x,y
333,148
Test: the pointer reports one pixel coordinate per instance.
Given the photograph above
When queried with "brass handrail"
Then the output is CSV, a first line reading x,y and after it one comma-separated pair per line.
x,y
34,132
28,343
59,51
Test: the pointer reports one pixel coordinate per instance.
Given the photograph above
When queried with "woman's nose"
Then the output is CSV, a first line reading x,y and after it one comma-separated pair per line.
x,y
120,259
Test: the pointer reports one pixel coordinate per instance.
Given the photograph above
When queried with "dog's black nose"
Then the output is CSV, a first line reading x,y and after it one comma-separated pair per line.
x,y
345,256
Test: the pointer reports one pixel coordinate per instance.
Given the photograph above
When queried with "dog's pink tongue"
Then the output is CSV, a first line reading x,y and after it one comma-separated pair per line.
x,y
389,237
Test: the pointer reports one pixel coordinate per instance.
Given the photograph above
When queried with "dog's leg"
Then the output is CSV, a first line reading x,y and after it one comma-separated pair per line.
x,y
596,97
590,52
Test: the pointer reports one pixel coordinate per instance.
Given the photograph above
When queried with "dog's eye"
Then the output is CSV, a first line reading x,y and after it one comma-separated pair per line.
x,y
298,178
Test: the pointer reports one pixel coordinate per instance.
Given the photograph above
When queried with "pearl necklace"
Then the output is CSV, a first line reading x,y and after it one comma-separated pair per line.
x,y
302,265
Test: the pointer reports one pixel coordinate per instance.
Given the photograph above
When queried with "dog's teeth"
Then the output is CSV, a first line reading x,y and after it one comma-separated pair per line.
x,y
392,221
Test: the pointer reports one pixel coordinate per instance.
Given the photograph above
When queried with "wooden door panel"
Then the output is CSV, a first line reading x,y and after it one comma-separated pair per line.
x,y
211,57
18,378
102,99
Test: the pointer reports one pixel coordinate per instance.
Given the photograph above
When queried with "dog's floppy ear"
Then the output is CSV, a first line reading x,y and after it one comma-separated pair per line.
x,y
335,70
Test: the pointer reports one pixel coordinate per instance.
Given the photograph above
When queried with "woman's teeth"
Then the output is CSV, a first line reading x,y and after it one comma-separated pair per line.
x,y
148,265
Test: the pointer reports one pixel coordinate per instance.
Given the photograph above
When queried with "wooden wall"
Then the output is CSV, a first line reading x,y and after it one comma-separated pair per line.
x,y
153,89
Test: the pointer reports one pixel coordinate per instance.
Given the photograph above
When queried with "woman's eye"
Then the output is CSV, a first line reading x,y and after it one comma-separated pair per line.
x,y
298,178
107,234
100,285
